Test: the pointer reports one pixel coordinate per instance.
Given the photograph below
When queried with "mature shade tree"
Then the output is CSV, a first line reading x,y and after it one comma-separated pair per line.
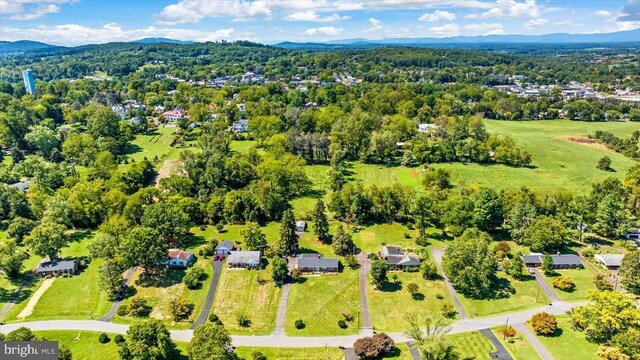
x,y
142,246
611,216
629,272
488,210
58,210
80,148
254,238
516,267
211,341
42,138
471,265
546,235
429,270
608,314
288,242
19,228
544,323
520,218
11,258
149,340
439,179
379,273
169,220
547,265
279,269
47,239
342,242
111,277
604,163
373,347
321,223
424,213
85,203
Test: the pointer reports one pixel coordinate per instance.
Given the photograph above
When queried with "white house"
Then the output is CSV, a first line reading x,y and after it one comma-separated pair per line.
x,y
301,226
177,257
427,128
240,126
244,259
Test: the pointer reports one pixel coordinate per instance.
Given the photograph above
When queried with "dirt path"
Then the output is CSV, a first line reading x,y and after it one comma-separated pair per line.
x,y
33,301
168,168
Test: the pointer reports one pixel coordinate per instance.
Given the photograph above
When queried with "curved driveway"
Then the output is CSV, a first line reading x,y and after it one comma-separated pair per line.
x,y
280,340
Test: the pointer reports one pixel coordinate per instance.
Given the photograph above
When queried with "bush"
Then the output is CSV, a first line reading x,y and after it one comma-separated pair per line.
x,y
299,324
590,252
563,283
342,324
243,320
509,331
602,283
123,310
604,163
119,339
422,240
429,270
181,309
503,247
439,296
347,316
257,355
103,338
448,311
374,346
213,318
192,278
139,307
208,250
407,235
220,228
351,261
413,288
296,274
544,323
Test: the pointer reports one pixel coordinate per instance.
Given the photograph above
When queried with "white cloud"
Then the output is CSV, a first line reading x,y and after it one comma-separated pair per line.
x,y
535,23
374,25
73,34
192,11
323,31
510,8
438,15
603,13
447,30
568,23
485,29
25,10
311,15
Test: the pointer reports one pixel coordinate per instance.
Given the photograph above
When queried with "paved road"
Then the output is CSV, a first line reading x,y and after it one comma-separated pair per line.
x,y
437,255
204,315
350,354
282,309
501,352
365,268
540,349
553,297
114,308
415,353
274,340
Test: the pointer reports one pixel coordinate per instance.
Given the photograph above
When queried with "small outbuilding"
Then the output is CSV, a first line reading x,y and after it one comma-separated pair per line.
x,y
57,267
244,259
301,226
225,247
610,261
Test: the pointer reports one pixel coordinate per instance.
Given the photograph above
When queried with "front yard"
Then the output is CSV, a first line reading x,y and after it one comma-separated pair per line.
x,y
389,306
582,278
568,343
320,302
284,353
247,292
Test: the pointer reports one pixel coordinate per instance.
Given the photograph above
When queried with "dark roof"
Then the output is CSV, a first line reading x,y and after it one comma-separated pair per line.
x,y
227,244
408,259
60,265
22,185
317,263
310,256
390,250
563,259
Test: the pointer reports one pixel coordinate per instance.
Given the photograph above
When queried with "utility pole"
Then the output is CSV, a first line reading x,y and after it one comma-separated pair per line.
x,y
506,326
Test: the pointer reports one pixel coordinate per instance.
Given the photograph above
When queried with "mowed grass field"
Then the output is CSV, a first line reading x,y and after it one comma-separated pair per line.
x,y
472,345
251,293
156,143
284,353
320,301
527,296
569,343
582,278
517,346
389,306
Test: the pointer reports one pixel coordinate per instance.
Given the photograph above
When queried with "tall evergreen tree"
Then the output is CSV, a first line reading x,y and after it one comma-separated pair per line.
x,y
321,223
288,237
342,242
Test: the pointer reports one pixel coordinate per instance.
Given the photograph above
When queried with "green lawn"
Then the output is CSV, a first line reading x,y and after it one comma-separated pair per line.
x,y
243,146
570,343
84,344
320,301
156,143
583,278
518,346
525,295
292,353
232,232
247,292
388,307
471,345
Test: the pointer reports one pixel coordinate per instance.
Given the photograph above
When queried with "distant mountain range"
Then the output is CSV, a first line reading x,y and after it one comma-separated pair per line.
x,y
22,46
560,38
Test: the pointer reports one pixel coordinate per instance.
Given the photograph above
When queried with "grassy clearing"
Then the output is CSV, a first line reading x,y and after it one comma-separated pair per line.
x,y
320,302
247,292
84,344
389,306
156,143
518,346
232,232
292,353
472,345
583,278
526,293
569,343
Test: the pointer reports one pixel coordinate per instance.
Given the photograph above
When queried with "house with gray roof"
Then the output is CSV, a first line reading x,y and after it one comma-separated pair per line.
x,y
57,267
22,185
560,261
244,259
316,263
396,259
610,261
225,247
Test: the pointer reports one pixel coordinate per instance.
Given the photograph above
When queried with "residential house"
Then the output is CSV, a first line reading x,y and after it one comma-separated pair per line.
x,y
242,108
560,261
225,247
301,226
316,263
427,128
610,261
177,257
22,185
396,259
57,267
173,115
632,235
244,259
241,125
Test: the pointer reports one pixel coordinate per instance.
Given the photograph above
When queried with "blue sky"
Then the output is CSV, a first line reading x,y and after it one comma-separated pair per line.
x,y
74,22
